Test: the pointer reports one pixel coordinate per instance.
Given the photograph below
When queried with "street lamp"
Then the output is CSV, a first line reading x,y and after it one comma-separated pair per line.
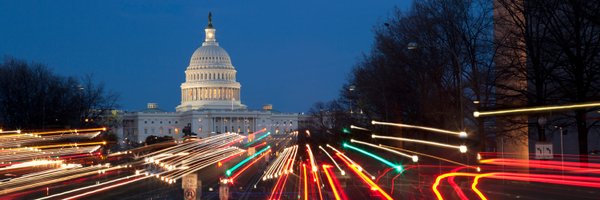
x,y
560,128
351,90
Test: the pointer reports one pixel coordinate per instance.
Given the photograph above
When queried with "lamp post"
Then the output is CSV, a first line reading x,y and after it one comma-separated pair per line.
x,y
480,126
351,90
562,147
562,150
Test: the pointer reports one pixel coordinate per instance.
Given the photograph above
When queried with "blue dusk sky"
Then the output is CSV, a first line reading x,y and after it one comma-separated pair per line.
x,y
287,53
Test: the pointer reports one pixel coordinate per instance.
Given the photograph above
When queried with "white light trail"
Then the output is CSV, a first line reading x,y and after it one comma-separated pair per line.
x,y
32,164
55,176
23,154
313,164
283,164
90,186
460,134
414,158
333,160
359,128
461,148
351,161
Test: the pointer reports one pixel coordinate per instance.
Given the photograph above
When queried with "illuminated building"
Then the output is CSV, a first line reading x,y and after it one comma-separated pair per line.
x,y
210,102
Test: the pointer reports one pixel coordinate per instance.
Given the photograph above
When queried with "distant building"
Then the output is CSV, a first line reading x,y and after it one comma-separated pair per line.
x,y
210,103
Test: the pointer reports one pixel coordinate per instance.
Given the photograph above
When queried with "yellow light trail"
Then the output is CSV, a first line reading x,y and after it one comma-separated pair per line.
x,y
461,148
535,109
64,145
305,181
474,185
19,140
440,177
18,133
68,131
13,155
330,180
32,164
13,131
461,134
318,184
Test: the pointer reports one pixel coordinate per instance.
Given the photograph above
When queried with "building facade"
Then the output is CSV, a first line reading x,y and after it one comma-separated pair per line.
x,y
210,103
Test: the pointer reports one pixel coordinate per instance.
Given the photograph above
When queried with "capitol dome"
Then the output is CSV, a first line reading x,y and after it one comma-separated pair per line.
x,y
210,55
210,79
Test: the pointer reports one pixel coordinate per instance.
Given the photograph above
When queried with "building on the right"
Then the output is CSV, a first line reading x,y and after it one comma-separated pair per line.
x,y
543,57
512,131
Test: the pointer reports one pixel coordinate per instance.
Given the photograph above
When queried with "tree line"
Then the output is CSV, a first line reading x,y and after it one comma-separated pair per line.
x,y
439,61
34,97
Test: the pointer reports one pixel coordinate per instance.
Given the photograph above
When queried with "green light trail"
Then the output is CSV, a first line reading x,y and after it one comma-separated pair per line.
x,y
397,167
230,170
260,138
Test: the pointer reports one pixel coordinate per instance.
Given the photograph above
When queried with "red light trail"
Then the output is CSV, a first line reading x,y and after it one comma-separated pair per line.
x,y
366,179
334,188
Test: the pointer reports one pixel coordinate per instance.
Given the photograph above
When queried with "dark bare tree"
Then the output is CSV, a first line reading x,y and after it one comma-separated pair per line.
x,y
428,66
33,97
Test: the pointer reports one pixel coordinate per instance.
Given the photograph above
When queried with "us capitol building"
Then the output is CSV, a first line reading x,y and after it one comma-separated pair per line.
x,y
210,102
